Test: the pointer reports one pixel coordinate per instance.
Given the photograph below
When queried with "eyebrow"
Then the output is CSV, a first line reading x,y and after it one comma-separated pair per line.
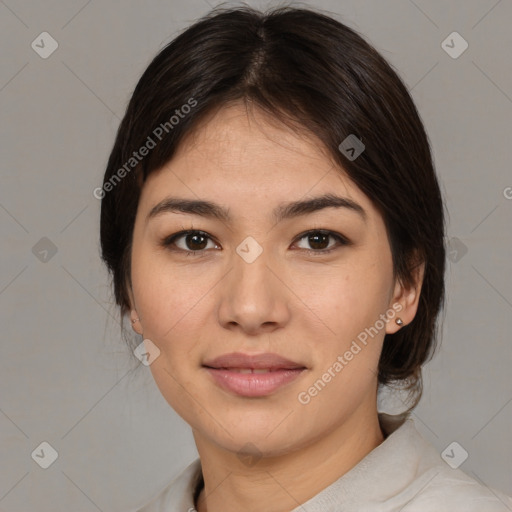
x,y
283,211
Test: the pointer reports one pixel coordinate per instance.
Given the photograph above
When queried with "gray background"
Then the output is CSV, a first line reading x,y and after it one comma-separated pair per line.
x,y
66,376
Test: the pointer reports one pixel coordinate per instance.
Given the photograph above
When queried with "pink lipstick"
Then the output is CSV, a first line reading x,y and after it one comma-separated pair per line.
x,y
252,375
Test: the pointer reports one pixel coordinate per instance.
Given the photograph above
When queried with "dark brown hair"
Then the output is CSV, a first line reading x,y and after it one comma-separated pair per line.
x,y
305,69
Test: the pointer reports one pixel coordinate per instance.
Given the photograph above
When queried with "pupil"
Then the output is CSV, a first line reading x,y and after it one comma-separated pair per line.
x,y
313,240
195,237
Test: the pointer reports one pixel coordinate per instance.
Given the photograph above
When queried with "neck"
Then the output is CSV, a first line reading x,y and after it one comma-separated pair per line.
x,y
282,483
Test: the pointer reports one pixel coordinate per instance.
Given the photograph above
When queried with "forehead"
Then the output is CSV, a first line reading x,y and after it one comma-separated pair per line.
x,y
244,157
235,131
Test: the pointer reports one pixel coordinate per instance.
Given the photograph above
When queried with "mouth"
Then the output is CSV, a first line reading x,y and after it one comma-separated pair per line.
x,y
253,375
250,370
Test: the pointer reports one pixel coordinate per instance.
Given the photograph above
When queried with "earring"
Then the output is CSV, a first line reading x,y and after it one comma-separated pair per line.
x,y
399,321
135,320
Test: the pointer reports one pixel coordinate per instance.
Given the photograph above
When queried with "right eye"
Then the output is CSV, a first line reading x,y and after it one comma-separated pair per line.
x,y
193,242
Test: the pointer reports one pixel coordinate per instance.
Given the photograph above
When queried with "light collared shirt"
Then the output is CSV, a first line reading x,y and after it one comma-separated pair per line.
x,y
405,473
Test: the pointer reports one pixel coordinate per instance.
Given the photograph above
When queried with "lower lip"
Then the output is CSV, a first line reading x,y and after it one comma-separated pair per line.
x,y
253,384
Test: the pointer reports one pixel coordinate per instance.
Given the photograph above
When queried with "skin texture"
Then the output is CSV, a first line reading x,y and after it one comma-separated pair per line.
x,y
305,307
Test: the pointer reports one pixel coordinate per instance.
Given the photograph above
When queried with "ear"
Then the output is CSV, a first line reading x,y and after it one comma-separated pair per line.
x,y
134,317
406,298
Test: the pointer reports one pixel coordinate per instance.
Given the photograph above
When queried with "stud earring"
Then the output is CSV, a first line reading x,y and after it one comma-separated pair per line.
x,y
399,321
135,320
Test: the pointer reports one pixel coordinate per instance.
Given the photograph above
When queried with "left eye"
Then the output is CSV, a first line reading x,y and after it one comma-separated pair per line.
x,y
318,238
195,241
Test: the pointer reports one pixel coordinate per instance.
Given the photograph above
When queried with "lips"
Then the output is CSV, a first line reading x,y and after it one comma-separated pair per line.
x,y
252,375
267,361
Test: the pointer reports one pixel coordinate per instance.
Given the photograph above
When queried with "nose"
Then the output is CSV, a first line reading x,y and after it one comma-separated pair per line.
x,y
254,298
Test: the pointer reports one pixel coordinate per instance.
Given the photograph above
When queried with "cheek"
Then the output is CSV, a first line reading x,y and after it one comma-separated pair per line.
x,y
348,303
169,298
348,297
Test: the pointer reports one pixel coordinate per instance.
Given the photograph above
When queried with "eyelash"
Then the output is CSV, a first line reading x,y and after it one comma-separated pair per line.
x,y
167,242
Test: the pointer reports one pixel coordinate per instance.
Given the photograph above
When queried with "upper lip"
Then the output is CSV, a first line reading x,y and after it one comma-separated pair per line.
x,y
257,361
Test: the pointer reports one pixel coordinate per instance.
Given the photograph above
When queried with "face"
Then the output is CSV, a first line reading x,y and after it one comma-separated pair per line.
x,y
290,290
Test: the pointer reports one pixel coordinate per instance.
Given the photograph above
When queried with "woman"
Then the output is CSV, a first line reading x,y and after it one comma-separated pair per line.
x,y
274,227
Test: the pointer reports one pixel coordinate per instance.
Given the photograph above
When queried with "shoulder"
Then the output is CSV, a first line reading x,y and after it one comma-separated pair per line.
x,y
405,473
453,490
434,485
